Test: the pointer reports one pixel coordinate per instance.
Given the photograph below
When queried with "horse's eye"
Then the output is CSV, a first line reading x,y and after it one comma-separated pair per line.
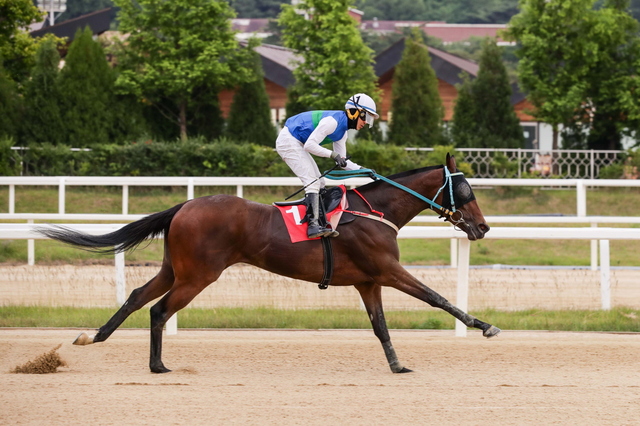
x,y
463,191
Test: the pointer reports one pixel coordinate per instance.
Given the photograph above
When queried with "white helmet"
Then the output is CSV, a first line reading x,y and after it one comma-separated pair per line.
x,y
362,103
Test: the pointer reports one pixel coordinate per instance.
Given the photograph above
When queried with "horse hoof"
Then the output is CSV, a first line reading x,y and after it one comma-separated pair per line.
x,y
83,339
404,370
160,370
491,331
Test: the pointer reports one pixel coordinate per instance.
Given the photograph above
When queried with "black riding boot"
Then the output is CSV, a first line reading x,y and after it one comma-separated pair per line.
x,y
315,230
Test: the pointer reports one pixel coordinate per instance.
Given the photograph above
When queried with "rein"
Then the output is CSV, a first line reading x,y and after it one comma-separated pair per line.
x,y
346,174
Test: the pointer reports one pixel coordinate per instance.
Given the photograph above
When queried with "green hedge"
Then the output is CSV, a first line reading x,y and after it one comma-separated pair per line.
x,y
197,158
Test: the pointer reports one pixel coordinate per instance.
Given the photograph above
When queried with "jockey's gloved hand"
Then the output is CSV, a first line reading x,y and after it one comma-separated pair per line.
x,y
373,172
340,160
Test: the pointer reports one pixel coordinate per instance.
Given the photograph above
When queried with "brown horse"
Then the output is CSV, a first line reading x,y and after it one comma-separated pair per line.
x,y
204,236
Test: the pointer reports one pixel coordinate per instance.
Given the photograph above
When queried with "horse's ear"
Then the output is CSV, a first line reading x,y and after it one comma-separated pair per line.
x,y
451,163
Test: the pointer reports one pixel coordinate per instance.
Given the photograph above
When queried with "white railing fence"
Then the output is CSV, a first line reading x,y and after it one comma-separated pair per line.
x,y
566,163
62,182
603,235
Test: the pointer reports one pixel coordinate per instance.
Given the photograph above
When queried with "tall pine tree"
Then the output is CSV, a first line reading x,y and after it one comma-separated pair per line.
x,y
87,89
416,105
250,116
490,121
43,119
465,126
9,105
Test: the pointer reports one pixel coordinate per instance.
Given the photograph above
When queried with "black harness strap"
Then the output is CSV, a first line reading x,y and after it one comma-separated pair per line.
x,y
328,263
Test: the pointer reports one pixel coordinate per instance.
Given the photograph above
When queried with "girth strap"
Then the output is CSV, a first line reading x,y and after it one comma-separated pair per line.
x,y
328,263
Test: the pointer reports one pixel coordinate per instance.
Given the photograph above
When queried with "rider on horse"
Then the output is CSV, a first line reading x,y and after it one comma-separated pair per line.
x,y
305,133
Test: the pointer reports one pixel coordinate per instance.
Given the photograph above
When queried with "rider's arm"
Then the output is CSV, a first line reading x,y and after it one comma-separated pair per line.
x,y
325,127
341,148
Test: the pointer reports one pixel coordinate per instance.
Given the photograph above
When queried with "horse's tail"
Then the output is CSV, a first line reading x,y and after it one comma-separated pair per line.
x,y
126,238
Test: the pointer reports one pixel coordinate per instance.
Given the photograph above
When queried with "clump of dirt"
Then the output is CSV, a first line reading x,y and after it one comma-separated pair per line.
x,y
44,364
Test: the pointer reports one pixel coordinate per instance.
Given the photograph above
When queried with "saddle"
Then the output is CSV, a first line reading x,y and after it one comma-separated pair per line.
x,y
329,200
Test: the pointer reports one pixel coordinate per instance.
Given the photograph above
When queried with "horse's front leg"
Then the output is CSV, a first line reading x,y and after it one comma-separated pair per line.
x,y
372,297
407,283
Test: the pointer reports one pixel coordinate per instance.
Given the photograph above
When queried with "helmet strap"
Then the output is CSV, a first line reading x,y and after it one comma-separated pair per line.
x,y
352,118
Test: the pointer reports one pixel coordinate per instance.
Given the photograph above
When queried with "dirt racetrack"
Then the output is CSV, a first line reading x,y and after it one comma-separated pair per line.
x,y
265,377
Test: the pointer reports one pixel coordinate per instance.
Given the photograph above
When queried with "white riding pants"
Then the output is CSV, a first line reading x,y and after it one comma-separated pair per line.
x,y
300,161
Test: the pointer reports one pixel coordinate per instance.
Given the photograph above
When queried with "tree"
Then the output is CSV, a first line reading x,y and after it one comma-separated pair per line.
x,y
555,56
175,49
465,127
9,105
86,87
250,115
16,46
415,103
612,108
335,63
497,123
43,117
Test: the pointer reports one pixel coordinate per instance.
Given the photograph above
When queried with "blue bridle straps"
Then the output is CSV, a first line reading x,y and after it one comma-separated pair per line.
x,y
346,174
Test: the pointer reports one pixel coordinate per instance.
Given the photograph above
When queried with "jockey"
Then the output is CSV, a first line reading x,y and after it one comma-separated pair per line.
x,y
305,133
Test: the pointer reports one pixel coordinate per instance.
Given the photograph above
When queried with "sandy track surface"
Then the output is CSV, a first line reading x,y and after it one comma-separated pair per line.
x,y
248,286
325,377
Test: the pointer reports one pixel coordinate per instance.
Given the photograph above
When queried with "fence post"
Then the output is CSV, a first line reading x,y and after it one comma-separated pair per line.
x,y
581,195
454,252
190,189
605,275
519,162
12,199
462,296
592,164
31,249
594,251
125,199
120,279
61,195
171,326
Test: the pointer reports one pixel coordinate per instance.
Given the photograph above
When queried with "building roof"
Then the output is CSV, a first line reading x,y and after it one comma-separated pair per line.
x,y
98,21
278,63
448,33
453,33
446,66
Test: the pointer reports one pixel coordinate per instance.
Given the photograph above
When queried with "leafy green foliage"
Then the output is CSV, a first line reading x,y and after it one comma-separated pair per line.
x,y
10,105
86,88
9,160
416,105
555,56
250,115
335,62
16,46
175,50
484,116
43,115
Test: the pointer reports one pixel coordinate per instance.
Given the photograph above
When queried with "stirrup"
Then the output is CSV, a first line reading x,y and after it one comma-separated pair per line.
x,y
320,232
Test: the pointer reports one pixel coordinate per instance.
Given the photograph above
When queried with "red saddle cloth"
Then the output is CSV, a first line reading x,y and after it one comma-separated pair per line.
x,y
292,215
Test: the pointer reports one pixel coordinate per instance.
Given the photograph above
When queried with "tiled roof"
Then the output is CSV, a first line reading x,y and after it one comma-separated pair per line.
x,y
99,22
452,33
447,66
249,25
448,33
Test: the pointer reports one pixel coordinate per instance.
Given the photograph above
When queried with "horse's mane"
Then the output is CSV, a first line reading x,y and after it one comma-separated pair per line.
x,y
403,174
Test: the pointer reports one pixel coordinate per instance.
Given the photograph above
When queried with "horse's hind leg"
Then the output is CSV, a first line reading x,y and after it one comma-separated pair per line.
x,y
372,299
139,297
183,292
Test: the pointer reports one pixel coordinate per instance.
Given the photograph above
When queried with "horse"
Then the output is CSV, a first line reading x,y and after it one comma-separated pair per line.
x,y
206,235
